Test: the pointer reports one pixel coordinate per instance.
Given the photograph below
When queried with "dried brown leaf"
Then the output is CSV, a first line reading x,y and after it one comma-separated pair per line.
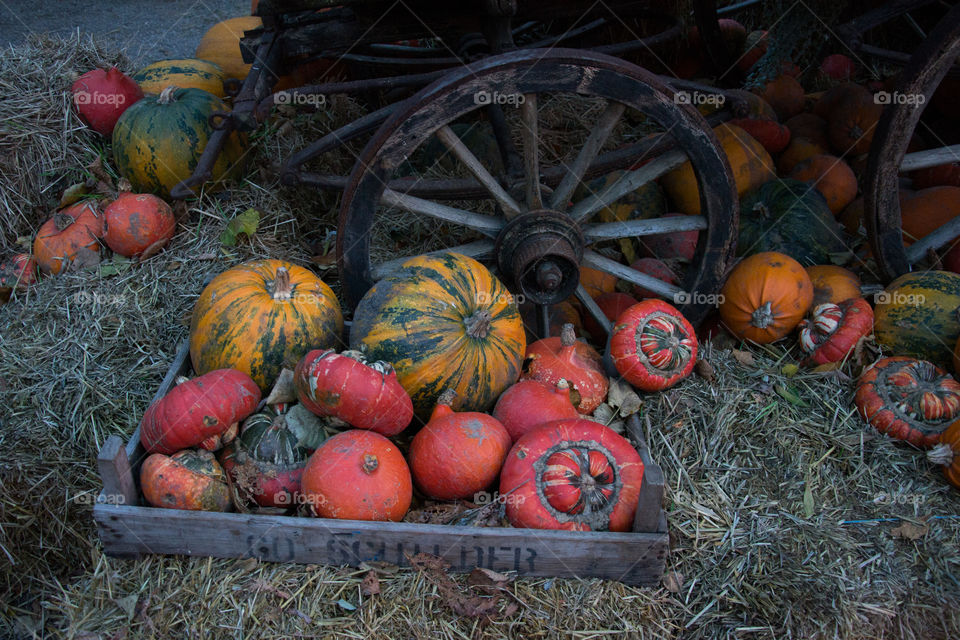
x,y
673,581
705,370
370,585
745,358
910,531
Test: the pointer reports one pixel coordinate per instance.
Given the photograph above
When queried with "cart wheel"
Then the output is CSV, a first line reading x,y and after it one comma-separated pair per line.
x,y
881,213
533,237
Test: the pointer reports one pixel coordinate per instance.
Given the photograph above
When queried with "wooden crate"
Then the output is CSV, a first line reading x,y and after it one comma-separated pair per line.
x,y
128,528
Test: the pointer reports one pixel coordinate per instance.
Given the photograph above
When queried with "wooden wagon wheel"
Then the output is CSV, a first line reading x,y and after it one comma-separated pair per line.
x,y
882,218
536,240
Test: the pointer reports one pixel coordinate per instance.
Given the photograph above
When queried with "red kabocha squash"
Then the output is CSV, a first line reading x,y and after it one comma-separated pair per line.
x,y
71,232
838,67
771,134
138,225
365,395
908,399
261,316
655,268
267,459
612,305
530,403
17,273
101,96
653,345
202,411
765,297
834,330
551,359
674,246
833,284
189,479
358,475
457,454
947,454
577,475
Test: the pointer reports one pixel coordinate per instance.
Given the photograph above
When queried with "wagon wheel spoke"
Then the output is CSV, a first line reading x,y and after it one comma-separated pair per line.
x,y
635,228
930,158
531,150
933,241
452,141
591,148
596,261
593,308
628,182
479,250
488,225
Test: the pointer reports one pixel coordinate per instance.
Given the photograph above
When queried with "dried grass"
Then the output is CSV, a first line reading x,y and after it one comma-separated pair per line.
x,y
758,486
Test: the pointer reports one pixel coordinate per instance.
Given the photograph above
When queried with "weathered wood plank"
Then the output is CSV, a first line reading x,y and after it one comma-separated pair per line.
x,y
114,467
633,558
649,516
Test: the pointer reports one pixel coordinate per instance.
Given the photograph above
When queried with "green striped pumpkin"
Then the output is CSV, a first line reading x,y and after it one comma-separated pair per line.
x,y
185,73
158,141
917,316
443,321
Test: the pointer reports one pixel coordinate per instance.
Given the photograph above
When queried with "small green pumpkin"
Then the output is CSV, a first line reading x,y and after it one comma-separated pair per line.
x,y
791,217
158,141
917,316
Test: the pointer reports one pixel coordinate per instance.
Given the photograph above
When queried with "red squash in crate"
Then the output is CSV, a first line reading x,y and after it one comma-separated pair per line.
x,y
70,232
138,225
204,411
552,359
457,454
612,305
653,345
345,385
17,272
358,475
188,479
577,475
908,399
530,403
834,330
102,95
655,268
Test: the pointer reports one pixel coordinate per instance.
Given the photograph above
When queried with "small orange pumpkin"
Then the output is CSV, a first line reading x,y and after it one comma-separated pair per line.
x,y
597,282
809,126
833,284
923,212
852,121
765,297
831,176
65,236
785,94
188,479
796,152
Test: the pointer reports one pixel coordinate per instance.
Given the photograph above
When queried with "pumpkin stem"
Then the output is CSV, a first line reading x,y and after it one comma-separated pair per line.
x,y
62,220
478,324
166,96
763,317
568,335
370,463
942,455
282,289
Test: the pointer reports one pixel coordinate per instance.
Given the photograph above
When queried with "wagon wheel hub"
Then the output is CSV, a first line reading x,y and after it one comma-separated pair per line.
x,y
539,253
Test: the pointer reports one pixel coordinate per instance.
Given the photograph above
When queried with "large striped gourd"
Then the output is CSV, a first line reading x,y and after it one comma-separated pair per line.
x,y
443,321
917,316
188,73
158,141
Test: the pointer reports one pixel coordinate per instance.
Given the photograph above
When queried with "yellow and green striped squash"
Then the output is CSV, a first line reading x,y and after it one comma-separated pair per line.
x,y
917,315
159,139
443,321
262,316
186,73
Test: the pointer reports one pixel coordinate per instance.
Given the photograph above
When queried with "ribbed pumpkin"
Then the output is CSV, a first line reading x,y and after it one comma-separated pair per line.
x,y
750,162
653,346
765,297
788,216
262,316
188,479
834,330
185,73
831,176
66,235
221,45
443,321
158,141
833,284
917,316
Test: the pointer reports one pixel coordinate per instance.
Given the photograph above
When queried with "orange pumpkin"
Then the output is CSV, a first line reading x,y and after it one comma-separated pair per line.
x,y
852,121
809,126
923,212
941,175
188,479
831,99
797,151
750,162
785,94
138,224
765,297
831,176
358,475
852,216
747,104
221,45
597,282
833,284
65,236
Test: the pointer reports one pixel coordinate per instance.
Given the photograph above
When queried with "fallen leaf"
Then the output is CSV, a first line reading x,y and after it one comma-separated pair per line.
x,y
98,171
791,396
118,265
744,357
124,186
85,259
705,370
483,577
245,223
910,531
825,368
310,429
370,585
128,604
283,389
72,194
343,604
789,370
152,250
622,396
808,505
673,581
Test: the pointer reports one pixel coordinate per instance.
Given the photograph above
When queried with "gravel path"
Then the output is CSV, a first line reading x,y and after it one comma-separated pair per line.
x,y
147,30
